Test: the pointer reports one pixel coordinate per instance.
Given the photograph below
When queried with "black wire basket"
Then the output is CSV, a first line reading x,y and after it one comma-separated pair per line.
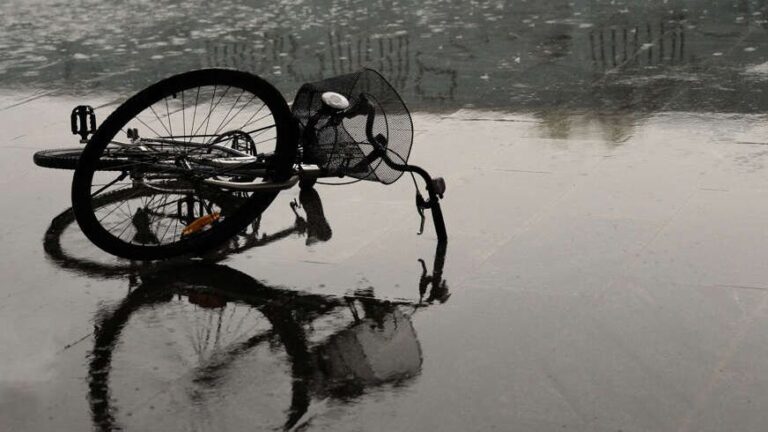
x,y
339,144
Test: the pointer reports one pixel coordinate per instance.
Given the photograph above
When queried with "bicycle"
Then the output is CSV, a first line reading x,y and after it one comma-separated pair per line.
x,y
236,145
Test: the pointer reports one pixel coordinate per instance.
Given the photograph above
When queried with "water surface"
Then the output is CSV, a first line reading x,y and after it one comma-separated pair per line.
x,y
606,169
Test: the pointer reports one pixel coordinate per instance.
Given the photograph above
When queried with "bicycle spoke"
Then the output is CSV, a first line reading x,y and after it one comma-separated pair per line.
x,y
218,128
260,130
128,223
168,115
263,141
160,120
183,115
166,229
118,206
148,126
194,113
214,108
105,186
241,110
248,122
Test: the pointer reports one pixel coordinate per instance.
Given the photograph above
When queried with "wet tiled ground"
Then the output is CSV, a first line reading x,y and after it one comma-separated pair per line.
x,y
605,265
593,286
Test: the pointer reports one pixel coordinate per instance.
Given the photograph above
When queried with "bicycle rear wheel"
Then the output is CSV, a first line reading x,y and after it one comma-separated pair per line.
x,y
174,138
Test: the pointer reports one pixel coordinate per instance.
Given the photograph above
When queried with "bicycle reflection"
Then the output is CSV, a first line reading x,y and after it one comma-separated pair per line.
x,y
312,223
191,338
206,318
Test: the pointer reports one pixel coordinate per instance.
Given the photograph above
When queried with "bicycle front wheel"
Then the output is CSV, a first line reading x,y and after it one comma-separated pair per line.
x,y
174,138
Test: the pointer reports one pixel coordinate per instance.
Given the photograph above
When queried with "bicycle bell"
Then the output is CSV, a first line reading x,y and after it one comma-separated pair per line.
x,y
335,100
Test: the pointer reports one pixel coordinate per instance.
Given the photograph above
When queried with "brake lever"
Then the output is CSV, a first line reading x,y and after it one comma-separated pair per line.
x,y
424,280
421,204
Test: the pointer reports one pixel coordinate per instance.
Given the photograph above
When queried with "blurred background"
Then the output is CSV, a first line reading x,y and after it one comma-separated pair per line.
x,y
512,55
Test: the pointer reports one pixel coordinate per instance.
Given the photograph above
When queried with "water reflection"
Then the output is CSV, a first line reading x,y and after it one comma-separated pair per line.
x,y
633,45
218,334
614,128
201,340
63,246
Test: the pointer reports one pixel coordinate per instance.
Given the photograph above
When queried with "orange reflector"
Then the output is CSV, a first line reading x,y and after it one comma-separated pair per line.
x,y
200,223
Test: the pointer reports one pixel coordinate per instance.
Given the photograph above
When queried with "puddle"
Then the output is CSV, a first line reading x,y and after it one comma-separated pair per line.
x,y
605,206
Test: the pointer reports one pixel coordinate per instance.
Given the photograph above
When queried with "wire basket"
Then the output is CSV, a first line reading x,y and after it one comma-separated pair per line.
x,y
339,143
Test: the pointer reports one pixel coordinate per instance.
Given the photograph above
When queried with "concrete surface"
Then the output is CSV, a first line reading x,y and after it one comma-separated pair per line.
x,y
605,269
593,286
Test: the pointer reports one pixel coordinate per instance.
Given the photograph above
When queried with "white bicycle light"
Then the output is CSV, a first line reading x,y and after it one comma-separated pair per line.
x,y
335,100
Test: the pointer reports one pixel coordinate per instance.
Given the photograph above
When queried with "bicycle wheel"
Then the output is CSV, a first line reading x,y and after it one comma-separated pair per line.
x,y
176,137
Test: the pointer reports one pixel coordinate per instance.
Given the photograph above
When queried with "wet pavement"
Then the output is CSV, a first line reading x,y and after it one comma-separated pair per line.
x,y
605,269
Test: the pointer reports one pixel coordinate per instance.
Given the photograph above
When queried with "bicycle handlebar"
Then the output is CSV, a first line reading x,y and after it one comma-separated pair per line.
x,y
365,107
380,150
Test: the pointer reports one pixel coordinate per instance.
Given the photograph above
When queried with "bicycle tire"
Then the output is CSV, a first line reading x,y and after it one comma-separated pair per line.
x,y
58,158
167,91
68,158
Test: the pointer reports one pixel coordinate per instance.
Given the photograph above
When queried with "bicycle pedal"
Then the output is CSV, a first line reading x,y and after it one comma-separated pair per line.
x,y
83,122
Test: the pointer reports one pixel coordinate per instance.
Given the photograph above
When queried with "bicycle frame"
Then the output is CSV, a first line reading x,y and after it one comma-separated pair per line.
x,y
317,141
241,162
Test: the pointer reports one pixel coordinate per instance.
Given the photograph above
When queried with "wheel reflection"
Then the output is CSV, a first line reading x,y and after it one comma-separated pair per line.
x,y
66,247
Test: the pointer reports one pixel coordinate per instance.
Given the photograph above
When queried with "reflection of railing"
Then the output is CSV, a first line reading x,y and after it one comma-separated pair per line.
x,y
284,56
389,54
259,56
647,45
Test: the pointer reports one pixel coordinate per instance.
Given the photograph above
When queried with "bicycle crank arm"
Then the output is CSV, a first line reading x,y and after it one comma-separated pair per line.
x,y
254,185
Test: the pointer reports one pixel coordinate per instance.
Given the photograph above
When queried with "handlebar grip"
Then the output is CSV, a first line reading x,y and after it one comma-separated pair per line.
x,y
366,108
436,187
371,116
379,142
